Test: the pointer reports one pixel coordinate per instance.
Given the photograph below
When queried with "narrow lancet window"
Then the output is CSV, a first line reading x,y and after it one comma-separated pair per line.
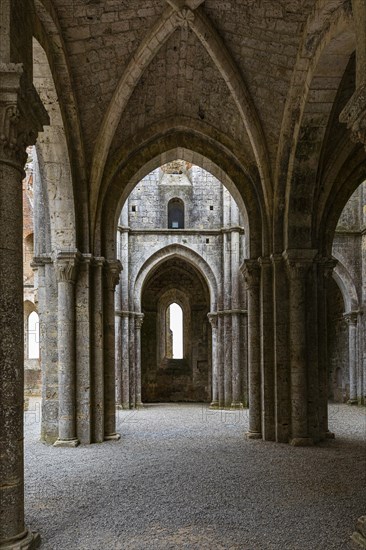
x,y
176,214
33,336
174,336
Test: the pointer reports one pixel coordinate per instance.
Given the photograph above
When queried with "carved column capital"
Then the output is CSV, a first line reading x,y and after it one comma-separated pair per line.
x,y
298,262
351,317
112,270
327,265
212,317
22,115
251,273
40,261
354,115
139,319
98,261
66,266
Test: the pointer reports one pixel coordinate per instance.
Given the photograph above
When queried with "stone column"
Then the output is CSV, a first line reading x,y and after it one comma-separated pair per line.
x,y
226,321
235,306
235,357
281,352
139,319
212,317
325,270
124,285
15,135
220,358
267,359
251,272
65,266
351,319
97,374
131,361
125,359
118,330
112,269
298,265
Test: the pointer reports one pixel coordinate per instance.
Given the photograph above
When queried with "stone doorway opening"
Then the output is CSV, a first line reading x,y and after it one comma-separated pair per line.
x,y
164,377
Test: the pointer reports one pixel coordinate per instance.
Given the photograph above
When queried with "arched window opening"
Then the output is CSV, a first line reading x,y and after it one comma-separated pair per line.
x,y
176,214
174,332
33,336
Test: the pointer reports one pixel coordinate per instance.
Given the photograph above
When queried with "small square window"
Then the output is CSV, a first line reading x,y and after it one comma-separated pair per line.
x,y
207,241
175,225
211,207
133,208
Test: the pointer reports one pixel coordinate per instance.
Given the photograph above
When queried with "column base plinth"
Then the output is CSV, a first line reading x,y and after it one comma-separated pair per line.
x,y
236,405
352,402
139,405
214,405
112,437
28,540
66,443
329,435
125,406
253,435
302,442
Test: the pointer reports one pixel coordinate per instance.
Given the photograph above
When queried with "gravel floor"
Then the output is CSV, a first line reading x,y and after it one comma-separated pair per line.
x,y
183,476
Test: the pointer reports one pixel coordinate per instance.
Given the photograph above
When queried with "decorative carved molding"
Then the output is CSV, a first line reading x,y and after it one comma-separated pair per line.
x,y
66,266
298,262
212,317
251,273
40,261
351,317
22,115
139,319
112,270
184,18
98,261
328,265
354,115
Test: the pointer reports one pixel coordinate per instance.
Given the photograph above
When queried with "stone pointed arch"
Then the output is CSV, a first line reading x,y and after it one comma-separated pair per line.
x,y
48,34
214,45
52,169
176,251
168,141
346,285
329,31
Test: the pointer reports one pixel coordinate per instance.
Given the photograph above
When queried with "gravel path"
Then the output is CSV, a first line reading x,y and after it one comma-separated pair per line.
x,y
185,477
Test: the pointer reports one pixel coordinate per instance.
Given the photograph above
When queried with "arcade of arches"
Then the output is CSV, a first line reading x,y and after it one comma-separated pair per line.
x,y
269,99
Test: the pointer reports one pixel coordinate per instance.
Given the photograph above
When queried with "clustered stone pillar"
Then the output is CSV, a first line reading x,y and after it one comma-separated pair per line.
x,y
266,346
15,135
251,274
298,264
66,266
112,269
351,319
281,352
